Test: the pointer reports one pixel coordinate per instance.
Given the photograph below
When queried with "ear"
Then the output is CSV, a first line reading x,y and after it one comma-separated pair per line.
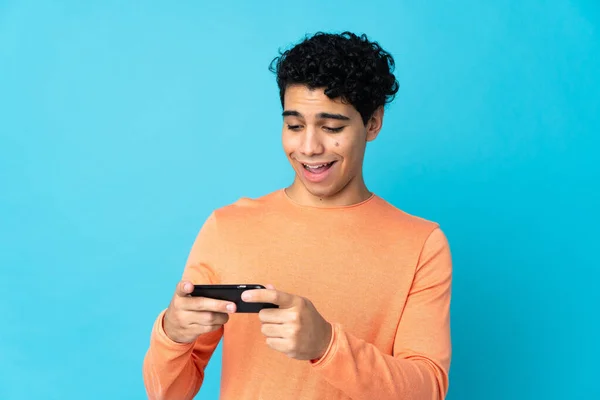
x,y
374,124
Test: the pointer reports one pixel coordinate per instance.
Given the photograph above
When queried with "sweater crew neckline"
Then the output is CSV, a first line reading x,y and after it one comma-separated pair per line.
x,y
285,195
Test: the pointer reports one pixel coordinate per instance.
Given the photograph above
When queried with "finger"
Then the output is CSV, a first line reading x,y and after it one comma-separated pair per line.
x,y
198,330
278,344
269,286
203,329
208,304
207,318
282,299
184,288
272,330
272,316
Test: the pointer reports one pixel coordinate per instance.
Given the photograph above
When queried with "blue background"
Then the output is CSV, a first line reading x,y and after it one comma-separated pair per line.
x,y
124,124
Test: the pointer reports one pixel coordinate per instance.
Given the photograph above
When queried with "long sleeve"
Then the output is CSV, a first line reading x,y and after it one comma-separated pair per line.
x,y
174,370
419,366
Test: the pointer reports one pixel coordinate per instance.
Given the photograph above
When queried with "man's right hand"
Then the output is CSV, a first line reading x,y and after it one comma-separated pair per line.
x,y
189,317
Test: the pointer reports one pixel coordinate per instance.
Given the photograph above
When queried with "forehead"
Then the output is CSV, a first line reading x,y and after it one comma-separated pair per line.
x,y
310,102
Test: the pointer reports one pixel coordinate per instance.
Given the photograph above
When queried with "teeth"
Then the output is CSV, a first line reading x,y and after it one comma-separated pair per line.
x,y
315,166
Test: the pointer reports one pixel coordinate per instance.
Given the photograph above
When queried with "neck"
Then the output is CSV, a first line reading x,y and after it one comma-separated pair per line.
x,y
354,192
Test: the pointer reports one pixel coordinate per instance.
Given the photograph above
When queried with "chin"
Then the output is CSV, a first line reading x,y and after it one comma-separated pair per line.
x,y
320,191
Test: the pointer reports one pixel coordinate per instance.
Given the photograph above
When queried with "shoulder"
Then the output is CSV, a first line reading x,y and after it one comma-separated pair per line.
x,y
395,216
247,208
398,227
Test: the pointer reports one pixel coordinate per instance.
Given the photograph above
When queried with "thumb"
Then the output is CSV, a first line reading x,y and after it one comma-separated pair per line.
x,y
184,288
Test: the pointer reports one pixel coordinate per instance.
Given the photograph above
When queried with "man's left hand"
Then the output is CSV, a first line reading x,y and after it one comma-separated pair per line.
x,y
295,328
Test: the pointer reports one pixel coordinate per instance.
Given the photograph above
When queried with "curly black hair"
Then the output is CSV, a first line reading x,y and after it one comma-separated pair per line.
x,y
348,66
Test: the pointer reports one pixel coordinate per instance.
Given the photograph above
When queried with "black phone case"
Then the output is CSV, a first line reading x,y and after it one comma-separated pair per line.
x,y
232,293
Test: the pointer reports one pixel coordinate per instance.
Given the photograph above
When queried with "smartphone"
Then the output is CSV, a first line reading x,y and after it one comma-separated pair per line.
x,y
232,293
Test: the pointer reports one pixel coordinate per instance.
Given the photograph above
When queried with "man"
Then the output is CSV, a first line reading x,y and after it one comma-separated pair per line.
x,y
363,288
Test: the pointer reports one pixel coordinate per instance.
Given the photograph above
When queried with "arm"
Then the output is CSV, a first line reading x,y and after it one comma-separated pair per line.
x,y
419,366
174,370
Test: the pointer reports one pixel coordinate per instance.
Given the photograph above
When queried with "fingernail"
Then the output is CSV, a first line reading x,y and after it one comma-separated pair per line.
x,y
245,296
230,307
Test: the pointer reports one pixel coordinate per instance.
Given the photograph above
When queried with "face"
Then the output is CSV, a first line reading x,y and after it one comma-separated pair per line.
x,y
325,142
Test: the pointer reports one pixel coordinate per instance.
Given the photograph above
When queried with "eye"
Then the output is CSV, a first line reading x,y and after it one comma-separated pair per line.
x,y
333,130
294,127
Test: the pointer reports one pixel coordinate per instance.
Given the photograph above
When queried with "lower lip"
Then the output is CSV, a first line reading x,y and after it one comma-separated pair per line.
x,y
316,177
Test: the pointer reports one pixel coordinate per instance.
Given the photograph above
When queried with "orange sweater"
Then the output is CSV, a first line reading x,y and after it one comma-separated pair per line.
x,y
380,276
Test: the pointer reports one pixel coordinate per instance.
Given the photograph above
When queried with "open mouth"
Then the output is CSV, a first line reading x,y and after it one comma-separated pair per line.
x,y
317,169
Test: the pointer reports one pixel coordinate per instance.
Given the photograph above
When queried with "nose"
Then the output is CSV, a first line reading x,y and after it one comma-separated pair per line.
x,y
312,143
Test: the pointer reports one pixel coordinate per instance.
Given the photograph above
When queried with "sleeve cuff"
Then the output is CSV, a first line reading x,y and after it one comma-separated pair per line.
x,y
159,336
331,349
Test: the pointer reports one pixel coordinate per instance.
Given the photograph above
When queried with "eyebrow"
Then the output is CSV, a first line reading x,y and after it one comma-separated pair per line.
x,y
324,115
